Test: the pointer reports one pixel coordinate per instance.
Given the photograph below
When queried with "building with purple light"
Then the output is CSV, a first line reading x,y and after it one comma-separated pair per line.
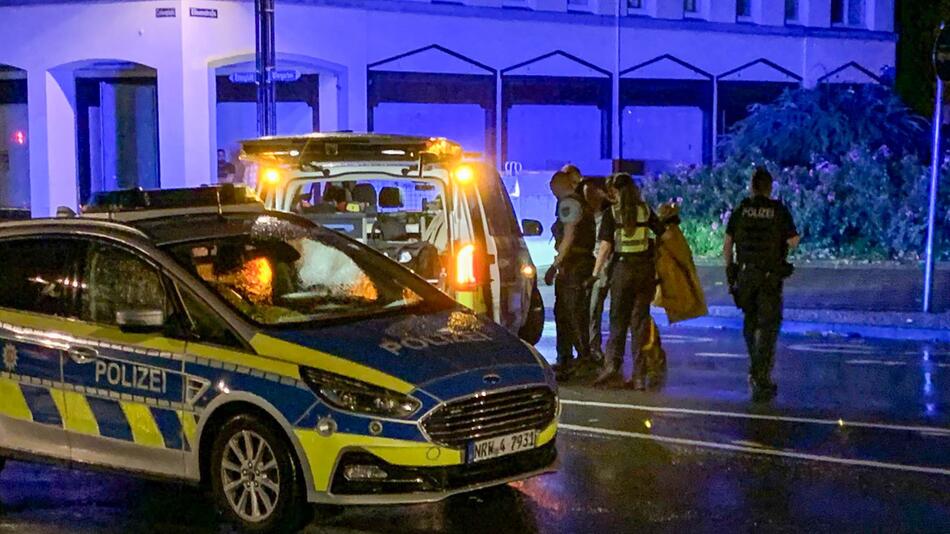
x,y
98,95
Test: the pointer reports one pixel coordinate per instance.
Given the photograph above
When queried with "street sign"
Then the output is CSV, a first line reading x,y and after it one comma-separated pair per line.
x,y
278,76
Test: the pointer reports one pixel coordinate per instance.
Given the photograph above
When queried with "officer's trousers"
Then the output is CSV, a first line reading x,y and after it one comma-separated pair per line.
x,y
632,287
598,295
571,308
759,294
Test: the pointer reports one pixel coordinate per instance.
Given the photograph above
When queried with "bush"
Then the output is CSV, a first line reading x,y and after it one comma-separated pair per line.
x,y
853,195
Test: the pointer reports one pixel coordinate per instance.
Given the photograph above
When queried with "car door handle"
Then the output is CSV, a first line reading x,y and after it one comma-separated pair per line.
x,y
82,355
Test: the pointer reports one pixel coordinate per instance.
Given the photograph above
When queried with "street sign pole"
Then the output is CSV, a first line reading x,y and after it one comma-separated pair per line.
x,y
266,56
941,60
936,160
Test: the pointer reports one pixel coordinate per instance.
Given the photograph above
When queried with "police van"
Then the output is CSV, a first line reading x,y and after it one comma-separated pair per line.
x,y
421,201
275,362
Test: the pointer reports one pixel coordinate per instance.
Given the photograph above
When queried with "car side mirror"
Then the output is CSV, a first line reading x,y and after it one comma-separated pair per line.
x,y
140,321
531,228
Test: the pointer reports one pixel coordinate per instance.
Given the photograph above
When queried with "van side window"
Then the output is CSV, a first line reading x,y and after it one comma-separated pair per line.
x,y
501,216
117,280
41,275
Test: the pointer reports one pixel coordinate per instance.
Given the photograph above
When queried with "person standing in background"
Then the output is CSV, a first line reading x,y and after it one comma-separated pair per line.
x,y
226,170
574,240
595,193
760,232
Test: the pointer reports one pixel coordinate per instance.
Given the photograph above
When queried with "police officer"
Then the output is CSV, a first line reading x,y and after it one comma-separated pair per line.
x,y
574,239
595,193
624,232
761,231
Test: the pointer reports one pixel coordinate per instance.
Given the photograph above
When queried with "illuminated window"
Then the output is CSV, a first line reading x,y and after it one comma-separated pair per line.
x,y
744,8
791,10
691,6
847,12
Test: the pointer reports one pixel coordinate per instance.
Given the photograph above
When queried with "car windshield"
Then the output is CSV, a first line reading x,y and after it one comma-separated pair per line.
x,y
279,272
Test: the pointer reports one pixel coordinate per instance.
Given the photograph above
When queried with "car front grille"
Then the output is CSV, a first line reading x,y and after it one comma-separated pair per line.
x,y
491,414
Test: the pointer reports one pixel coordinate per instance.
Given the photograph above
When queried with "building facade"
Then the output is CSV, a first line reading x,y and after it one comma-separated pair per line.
x,y
96,95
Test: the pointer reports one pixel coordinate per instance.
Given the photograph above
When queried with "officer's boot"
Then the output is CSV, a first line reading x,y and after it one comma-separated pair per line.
x,y
611,372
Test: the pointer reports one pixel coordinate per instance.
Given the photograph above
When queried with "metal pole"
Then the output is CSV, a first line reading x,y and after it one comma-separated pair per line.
x,y
615,110
936,160
266,56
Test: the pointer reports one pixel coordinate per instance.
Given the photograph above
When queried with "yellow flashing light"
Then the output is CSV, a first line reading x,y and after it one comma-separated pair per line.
x,y
465,266
464,174
528,271
271,176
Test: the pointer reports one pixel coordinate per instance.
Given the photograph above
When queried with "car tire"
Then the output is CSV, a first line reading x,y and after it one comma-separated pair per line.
x,y
247,455
534,325
3,463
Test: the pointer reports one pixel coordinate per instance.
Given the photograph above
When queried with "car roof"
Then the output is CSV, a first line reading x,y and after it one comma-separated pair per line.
x,y
161,227
169,230
68,224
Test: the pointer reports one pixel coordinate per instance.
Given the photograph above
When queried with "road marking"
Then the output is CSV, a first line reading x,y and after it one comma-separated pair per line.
x,y
837,348
680,339
830,422
889,363
756,450
731,355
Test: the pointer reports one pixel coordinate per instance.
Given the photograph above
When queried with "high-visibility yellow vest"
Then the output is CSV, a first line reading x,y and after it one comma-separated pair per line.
x,y
634,242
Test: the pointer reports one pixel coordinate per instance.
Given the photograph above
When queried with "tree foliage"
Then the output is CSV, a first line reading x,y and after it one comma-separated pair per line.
x,y
806,125
848,165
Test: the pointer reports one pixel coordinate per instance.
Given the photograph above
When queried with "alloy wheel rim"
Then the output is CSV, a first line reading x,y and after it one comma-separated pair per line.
x,y
250,476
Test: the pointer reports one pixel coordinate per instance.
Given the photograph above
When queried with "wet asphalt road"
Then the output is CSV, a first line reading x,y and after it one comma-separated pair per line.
x,y
857,440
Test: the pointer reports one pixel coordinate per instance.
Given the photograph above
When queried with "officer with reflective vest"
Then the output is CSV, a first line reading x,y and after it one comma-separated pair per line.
x,y
574,240
625,233
760,231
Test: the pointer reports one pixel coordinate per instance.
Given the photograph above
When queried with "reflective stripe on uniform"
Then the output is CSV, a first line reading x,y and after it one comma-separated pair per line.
x,y
635,242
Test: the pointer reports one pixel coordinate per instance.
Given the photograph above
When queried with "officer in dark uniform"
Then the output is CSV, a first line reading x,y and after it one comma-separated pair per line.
x,y
761,230
574,240
624,233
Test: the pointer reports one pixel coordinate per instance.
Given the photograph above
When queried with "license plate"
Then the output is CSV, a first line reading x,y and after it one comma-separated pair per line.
x,y
487,449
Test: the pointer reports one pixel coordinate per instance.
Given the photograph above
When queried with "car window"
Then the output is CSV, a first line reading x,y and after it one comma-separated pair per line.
x,y
205,323
281,273
498,210
41,275
117,280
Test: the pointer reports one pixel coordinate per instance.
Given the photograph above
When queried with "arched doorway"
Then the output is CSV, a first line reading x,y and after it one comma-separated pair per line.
x,y
14,143
116,106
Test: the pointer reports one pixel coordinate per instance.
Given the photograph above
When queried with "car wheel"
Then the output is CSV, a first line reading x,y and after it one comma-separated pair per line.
x,y
255,479
534,325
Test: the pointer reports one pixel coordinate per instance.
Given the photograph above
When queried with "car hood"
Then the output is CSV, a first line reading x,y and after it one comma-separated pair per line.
x,y
425,348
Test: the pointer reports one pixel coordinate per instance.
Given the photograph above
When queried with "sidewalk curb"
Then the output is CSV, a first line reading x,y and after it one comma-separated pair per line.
x,y
820,328
808,328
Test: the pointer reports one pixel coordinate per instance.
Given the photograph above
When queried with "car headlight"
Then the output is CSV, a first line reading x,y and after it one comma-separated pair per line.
x,y
405,256
356,396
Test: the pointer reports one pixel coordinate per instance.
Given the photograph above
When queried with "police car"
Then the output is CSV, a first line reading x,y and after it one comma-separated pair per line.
x,y
274,361
421,201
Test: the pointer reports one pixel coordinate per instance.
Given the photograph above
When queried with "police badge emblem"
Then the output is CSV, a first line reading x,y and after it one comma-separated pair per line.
x,y
9,357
